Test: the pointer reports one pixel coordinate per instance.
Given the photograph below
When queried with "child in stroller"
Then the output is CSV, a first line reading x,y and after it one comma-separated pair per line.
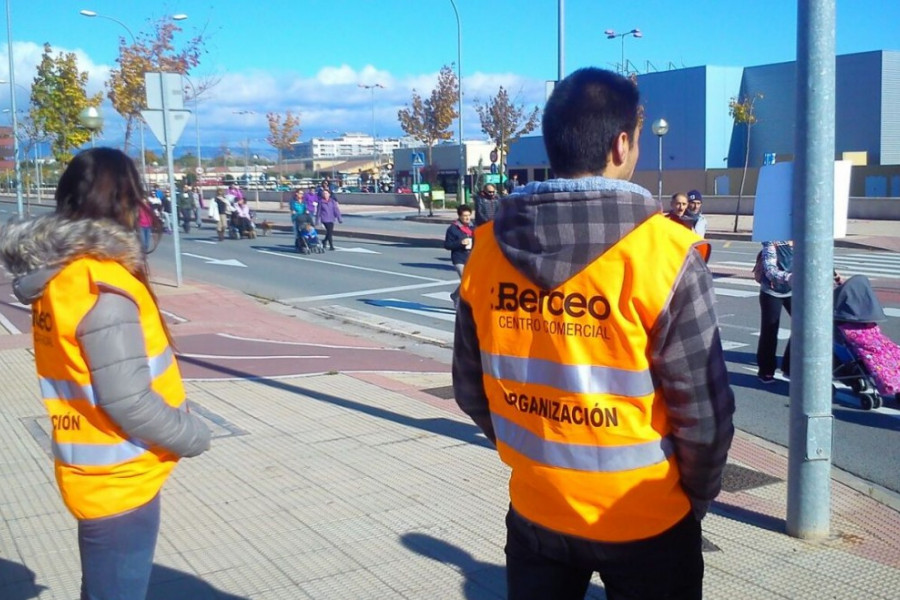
x,y
864,358
308,240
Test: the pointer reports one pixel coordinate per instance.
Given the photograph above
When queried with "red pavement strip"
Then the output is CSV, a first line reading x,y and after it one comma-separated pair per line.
x,y
222,334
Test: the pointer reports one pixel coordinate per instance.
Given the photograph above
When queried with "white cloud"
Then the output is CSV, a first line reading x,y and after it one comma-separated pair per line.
x,y
27,57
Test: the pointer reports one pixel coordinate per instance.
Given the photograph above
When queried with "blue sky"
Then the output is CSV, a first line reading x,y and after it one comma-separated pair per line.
x,y
309,56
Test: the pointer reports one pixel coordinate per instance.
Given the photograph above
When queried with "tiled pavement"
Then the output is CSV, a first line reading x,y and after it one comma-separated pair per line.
x,y
369,485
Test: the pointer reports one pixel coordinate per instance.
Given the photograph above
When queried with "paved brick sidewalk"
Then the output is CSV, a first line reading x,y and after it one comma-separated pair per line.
x,y
367,484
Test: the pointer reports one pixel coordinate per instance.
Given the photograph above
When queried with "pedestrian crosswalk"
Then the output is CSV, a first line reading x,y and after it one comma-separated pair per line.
x,y
875,265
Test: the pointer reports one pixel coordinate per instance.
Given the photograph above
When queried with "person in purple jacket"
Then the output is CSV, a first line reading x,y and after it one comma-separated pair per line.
x,y
311,199
327,213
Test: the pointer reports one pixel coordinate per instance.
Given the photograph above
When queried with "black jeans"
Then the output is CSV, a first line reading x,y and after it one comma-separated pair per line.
x,y
329,235
770,317
542,564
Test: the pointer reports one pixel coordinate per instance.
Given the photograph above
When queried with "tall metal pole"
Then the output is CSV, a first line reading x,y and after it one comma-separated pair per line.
x,y
143,153
170,163
811,421
461,190
624,69
12,108
561,38
659,193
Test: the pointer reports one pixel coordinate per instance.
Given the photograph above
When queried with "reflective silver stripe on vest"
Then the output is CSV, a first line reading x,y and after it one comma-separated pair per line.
x,y
96,455
581,379
61,389
580,457
159,363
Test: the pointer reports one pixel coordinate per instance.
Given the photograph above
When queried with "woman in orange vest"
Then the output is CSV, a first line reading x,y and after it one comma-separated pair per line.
x,y
106,368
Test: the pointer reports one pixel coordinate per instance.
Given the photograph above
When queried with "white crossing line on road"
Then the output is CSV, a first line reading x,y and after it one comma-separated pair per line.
x,y
892,312
736,293
447,314
346,266
371,292
439,296
7,325
728,345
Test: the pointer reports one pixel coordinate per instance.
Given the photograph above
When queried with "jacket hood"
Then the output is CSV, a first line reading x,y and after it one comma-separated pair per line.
x,y
551,230
34,250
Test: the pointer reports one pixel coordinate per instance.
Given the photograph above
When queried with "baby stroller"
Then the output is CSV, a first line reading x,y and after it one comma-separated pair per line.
x,y
309,243
864,358
239,227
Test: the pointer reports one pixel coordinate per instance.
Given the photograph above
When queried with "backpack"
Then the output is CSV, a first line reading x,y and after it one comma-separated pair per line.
x,y
759,270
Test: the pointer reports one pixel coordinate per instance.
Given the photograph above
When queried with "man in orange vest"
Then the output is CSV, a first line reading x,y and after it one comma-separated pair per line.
x,y
587,350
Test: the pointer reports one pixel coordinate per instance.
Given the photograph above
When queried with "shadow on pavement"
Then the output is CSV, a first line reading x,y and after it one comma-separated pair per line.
x,y
847,409
464,432
169,584
483,580
17,582
750,517
434,265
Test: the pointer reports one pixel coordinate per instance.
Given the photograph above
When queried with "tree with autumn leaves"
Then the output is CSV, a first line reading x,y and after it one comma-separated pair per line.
x,y
428,121
743,111
504,121
284,131
149,53
58,95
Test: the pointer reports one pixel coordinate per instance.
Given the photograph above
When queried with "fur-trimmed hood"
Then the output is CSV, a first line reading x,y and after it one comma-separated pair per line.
x,y
35,250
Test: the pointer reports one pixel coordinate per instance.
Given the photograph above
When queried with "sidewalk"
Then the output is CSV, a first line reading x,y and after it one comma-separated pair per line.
x,y
370,484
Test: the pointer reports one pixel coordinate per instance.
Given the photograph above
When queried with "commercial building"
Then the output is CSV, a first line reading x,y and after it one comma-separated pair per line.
x,y
346,146
705,149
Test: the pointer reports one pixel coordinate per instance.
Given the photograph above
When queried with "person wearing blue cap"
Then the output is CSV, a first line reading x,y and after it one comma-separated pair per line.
x,y
693,216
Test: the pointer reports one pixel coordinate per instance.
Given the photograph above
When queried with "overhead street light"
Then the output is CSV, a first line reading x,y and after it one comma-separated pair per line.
x,y
660,127
611,35
372,88
461,192
12,106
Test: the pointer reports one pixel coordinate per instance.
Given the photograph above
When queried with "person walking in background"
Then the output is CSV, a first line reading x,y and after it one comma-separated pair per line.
x,y
677,208
327,213
105,361
774,293
458,240
311,200
197,201
146,221
587,349
511,184
224,210
693,213
486,204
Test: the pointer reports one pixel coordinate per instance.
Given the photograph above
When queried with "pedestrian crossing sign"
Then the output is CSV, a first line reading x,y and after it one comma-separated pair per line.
x,y
418,159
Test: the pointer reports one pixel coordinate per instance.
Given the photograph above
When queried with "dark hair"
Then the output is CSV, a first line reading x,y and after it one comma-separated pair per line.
x,y
101,183
462,208
583,117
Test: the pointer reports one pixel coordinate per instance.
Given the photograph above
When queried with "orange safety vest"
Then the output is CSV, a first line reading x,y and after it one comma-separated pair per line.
x,y
567,376
99,469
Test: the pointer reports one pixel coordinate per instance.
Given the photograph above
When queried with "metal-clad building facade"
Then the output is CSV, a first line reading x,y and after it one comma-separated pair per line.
x,y
703,136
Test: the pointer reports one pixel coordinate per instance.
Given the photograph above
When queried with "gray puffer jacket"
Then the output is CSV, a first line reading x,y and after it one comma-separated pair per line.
x,y
110,334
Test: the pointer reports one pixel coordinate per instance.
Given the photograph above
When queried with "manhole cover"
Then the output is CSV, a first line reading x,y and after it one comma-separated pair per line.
x,y
736,478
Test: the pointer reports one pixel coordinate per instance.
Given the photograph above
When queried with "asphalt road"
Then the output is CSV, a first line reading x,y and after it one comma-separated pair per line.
x,y
404,288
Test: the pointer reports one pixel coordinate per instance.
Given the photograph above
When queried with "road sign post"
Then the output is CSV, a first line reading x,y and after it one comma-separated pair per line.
x,y
166,117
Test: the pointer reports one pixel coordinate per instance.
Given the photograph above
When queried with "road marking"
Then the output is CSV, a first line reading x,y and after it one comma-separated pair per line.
x,y
892,312
7,324
316,345
735,293
423,310
228,262
357,250
439,296
264,357
726,345
736,281
346,266
17,303
783,334
372,292
214,243
173,316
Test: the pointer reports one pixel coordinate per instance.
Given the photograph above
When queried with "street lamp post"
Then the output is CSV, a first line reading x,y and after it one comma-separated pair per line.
x,y
660,128
12,106
611,35
372,88
461,192
248,114
92,119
